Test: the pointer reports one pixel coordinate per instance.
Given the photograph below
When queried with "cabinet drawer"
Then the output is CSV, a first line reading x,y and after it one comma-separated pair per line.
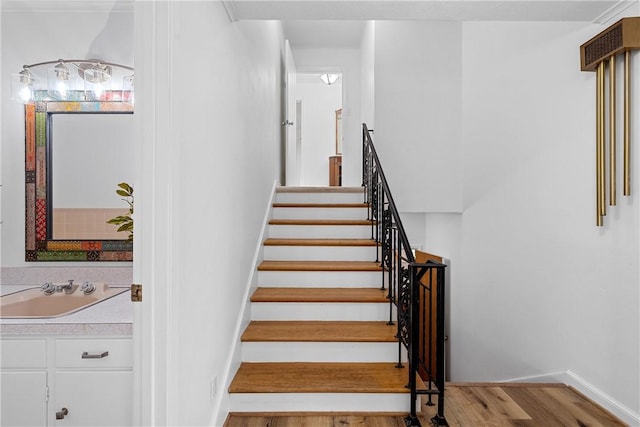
x,y
24,353
94,353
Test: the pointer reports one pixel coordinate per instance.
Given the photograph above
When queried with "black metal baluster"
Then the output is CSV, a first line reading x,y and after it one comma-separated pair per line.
x,y
395,255
439,419
430,342
412,419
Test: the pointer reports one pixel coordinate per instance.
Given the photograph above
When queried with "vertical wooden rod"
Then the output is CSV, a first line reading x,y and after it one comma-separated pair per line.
x,y
602,165
626,160
599,222
612,131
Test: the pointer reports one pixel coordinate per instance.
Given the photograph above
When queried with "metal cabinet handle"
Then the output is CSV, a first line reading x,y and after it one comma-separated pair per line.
x,y
61,413
87,355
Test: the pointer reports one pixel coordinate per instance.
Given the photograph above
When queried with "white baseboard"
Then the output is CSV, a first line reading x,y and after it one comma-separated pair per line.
x,y
610,404
571,379
222,404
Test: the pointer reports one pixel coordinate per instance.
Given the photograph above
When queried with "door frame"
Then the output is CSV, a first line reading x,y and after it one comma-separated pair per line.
x,y
155,391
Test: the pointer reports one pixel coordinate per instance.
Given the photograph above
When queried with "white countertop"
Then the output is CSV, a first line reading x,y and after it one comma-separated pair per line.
x,y
113,316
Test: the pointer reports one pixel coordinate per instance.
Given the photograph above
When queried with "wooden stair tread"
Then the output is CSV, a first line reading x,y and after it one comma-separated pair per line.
x,y
320,378
320,205
349,222
318,189
319,242
270,265
364,295
319,331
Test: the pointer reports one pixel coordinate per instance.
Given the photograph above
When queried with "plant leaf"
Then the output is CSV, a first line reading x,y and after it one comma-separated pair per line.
x,y
125,227
126,187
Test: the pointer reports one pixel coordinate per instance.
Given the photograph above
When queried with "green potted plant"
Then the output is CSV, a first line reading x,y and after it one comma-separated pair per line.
x,y
125,222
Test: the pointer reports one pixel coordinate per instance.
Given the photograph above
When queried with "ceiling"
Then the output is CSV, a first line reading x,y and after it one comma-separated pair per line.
x,y
339,23
324,34
465,10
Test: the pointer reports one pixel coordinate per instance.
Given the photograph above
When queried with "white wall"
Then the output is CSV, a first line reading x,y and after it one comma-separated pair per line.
x,y
32,35
319,104
367,61
346,61
537,288
417,112
211,120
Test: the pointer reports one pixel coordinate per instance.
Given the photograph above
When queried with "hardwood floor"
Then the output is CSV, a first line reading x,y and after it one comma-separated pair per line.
x,y
467,405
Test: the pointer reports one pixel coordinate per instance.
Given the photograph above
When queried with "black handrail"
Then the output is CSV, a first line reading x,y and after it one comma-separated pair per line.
x,y
411,288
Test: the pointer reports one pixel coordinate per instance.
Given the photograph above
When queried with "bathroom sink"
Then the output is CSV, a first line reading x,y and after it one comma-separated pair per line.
x,y
32,303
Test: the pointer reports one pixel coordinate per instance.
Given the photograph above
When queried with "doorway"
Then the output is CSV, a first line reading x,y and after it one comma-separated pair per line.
x,y
319,96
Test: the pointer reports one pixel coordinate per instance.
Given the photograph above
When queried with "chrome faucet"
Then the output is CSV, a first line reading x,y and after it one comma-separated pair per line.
x,y
69,288
49,288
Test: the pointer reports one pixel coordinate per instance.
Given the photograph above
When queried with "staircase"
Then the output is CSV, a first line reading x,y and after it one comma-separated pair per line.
x,y
318,339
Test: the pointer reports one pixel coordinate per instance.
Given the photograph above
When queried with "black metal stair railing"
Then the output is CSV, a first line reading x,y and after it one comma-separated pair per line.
x,y
415,290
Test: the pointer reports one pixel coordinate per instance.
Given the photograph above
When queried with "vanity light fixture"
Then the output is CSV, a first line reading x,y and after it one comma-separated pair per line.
x,y
22,86
329,79
58,81
95,80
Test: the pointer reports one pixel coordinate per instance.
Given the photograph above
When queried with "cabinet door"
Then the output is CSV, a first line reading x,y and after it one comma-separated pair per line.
x,y
94,398
23,399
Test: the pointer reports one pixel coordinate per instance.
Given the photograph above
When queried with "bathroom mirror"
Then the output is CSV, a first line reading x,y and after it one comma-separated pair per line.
x,y
76,153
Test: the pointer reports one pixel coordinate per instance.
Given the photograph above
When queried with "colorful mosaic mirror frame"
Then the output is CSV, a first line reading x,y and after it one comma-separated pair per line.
x,y
39,246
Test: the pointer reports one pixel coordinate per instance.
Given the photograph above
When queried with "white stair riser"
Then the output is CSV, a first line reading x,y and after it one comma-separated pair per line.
x,y
323,352
320,253
320,311
319,402
320,197
320,232
320,279
320,213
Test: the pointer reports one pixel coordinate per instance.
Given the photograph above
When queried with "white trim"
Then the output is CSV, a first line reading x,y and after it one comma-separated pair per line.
x,y
598,396
222,403
155,327
553,377
231,9
98,6
614,12
609,403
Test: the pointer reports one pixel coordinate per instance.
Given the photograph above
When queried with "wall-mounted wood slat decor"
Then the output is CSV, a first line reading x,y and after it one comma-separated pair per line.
x,y
622,36
599,54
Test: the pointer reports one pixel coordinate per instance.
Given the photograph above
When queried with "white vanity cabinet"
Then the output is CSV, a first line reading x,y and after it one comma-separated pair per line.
x,y
94,380
23,381
88,381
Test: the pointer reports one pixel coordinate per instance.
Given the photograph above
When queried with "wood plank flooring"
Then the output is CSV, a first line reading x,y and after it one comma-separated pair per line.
x,y
466,405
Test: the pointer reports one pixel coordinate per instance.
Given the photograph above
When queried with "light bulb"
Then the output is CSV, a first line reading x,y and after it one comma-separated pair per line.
x,y
25,95
97,90
61,88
